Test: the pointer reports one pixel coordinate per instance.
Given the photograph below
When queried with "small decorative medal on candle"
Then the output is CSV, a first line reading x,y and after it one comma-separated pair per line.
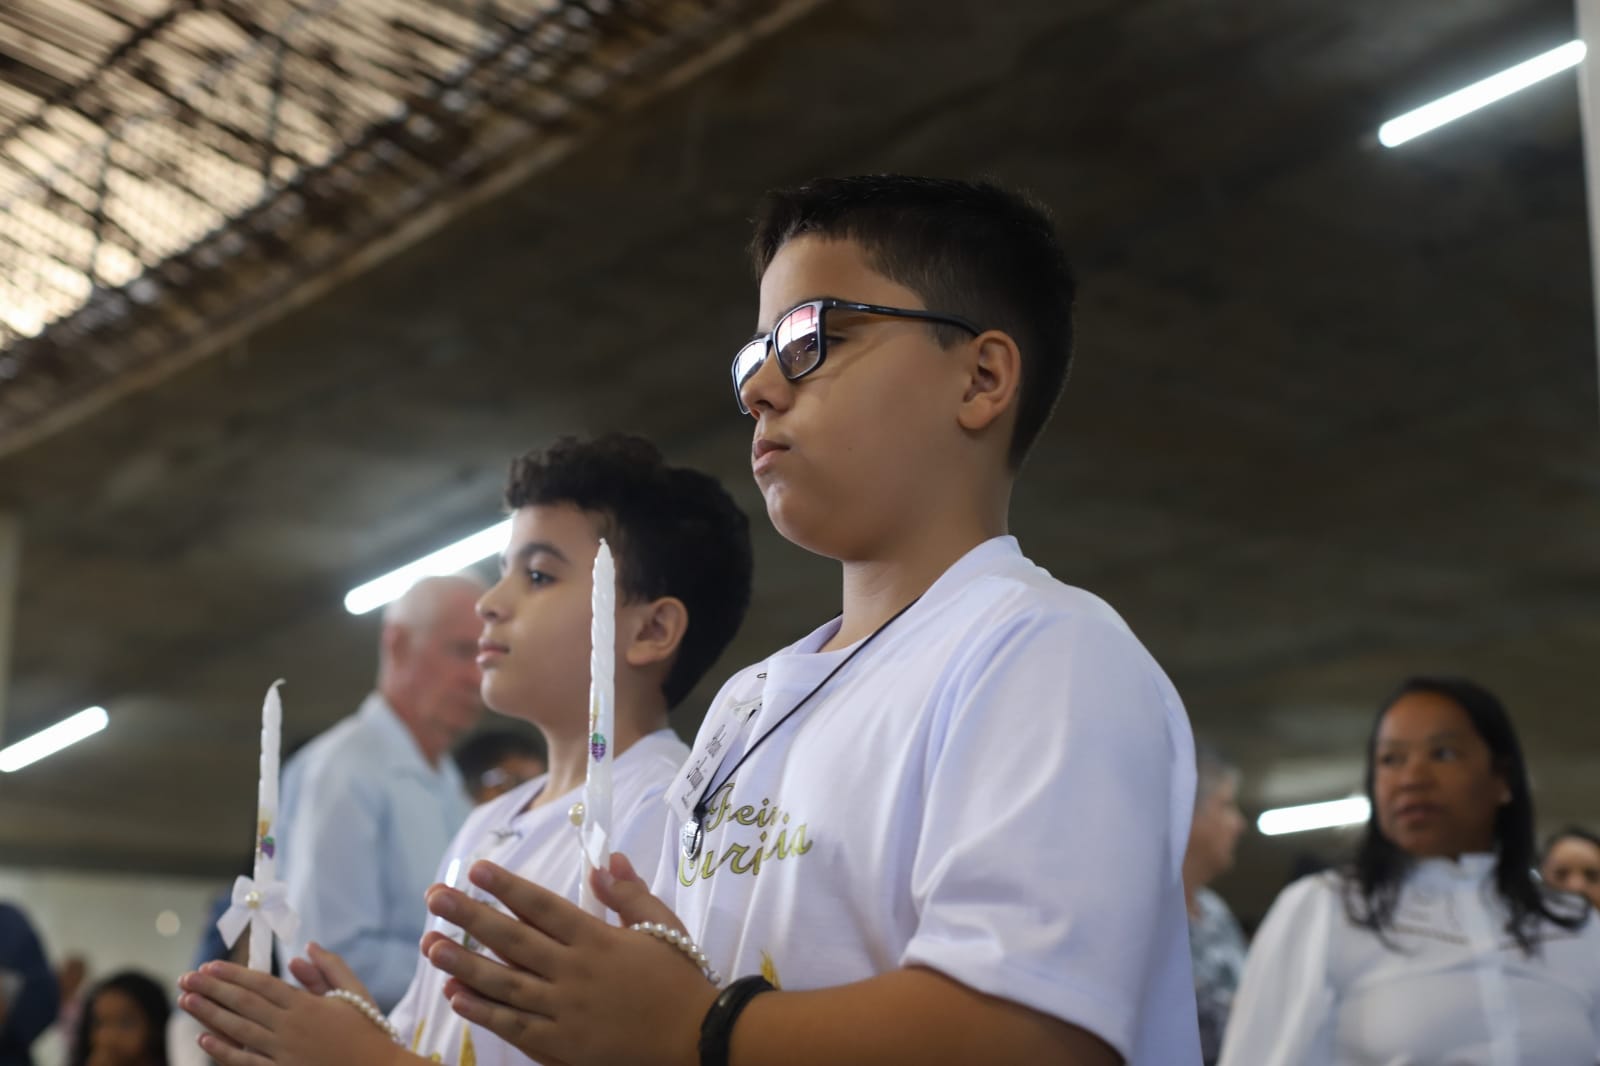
x,y
593,815
261,902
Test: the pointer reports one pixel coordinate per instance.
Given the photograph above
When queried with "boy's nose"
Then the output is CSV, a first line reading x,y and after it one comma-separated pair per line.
x,y
767,388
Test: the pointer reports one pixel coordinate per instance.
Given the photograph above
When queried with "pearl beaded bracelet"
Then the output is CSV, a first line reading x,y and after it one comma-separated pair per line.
x,y
373,1014
683,944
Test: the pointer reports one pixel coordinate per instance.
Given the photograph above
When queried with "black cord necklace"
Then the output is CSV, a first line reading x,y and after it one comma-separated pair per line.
x,y
692,837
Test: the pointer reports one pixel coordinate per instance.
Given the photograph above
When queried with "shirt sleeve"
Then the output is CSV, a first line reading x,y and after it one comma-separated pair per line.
x,y
1283,1014
37,999
1046,869
642,835
335,883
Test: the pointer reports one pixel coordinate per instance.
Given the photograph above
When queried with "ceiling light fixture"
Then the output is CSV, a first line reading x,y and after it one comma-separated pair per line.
x,y
450,559
1308,816
47,742
1428,117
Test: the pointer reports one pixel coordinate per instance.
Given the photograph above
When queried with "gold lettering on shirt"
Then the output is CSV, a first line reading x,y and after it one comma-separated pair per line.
x,y
469,1054
778,839
769,970
416,1044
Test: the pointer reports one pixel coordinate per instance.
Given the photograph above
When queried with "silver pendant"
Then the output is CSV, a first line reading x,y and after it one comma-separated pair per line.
x,y
691,838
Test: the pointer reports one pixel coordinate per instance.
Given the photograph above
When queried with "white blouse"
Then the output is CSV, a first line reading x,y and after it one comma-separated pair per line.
x,y
1454,990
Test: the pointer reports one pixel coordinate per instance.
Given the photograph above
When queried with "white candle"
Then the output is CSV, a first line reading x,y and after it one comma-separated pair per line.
x,y
596,829
266,823
260,902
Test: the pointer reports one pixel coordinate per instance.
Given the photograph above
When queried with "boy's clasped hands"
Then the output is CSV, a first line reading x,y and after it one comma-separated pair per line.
x,y
570,988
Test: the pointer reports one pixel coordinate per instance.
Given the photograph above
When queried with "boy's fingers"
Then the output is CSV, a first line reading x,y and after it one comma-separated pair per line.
x,y
552,914
529,1033
333,965
226,1053
309,975
492,980
429,939
219,1019
229,996
261,984
335,970
626,893
519,944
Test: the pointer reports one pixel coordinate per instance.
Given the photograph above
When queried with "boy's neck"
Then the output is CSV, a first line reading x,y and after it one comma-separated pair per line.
x,y
569,750
876,590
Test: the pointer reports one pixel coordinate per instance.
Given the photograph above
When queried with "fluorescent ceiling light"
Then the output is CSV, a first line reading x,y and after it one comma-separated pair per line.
x,y
1314,816
447,560
49,741
1398,131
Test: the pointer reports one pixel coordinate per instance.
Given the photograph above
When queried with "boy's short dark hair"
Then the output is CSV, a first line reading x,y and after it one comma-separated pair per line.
x,y
971,249
675,532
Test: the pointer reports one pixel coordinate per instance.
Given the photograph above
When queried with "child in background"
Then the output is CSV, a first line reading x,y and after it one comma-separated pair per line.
x,y
124,1023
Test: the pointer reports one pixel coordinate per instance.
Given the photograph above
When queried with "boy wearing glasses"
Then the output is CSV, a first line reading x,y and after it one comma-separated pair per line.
x,y
947,826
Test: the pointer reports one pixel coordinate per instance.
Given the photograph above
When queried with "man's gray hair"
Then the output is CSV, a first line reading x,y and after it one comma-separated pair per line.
x,y
1212,769
421,605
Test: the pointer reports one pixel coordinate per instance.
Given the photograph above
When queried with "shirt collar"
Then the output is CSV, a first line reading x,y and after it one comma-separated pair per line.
x,y
399,745
1472,868
987,556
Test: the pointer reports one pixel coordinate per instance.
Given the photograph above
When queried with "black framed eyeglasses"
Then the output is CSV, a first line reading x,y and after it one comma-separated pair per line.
x,y
800,338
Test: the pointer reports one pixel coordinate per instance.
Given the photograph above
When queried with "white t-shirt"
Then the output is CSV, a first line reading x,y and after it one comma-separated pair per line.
x,y
999,787
1455,990
542,846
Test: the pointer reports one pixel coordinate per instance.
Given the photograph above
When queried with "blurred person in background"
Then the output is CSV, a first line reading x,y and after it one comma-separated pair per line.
x,y
71,977
1438,944
496,761
124,1023
1216,944
29,996
1572,863
370,805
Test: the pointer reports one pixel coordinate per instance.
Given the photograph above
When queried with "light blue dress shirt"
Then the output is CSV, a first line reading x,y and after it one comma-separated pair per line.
x,y
365,820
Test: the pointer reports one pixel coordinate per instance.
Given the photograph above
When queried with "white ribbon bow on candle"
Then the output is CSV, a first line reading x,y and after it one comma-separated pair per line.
x,y
258,903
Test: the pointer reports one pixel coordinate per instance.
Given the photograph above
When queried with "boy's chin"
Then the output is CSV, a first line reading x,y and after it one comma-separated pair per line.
x,y
503,697
803,527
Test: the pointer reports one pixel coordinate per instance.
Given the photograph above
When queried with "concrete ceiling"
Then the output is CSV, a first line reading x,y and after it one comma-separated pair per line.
x,y
1333,420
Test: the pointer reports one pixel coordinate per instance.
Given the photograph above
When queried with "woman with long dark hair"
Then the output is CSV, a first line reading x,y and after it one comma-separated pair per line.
x,y
124,1023
1437,943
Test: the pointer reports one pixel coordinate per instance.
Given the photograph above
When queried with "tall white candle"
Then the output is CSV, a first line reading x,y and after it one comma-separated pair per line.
x,y
596,829
266,822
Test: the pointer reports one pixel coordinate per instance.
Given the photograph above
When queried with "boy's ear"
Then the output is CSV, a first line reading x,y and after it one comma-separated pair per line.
x,y
657,628
994,373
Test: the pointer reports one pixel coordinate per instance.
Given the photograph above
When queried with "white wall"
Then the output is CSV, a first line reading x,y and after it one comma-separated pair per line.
x,y
110,920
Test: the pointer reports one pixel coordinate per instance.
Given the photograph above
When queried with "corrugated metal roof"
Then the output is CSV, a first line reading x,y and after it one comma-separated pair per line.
x,y
171,171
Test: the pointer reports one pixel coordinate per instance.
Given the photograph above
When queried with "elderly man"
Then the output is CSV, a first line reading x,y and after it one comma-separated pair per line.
x,y
371,805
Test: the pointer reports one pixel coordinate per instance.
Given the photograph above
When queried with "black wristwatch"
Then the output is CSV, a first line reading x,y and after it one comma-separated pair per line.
x,y
717,1029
